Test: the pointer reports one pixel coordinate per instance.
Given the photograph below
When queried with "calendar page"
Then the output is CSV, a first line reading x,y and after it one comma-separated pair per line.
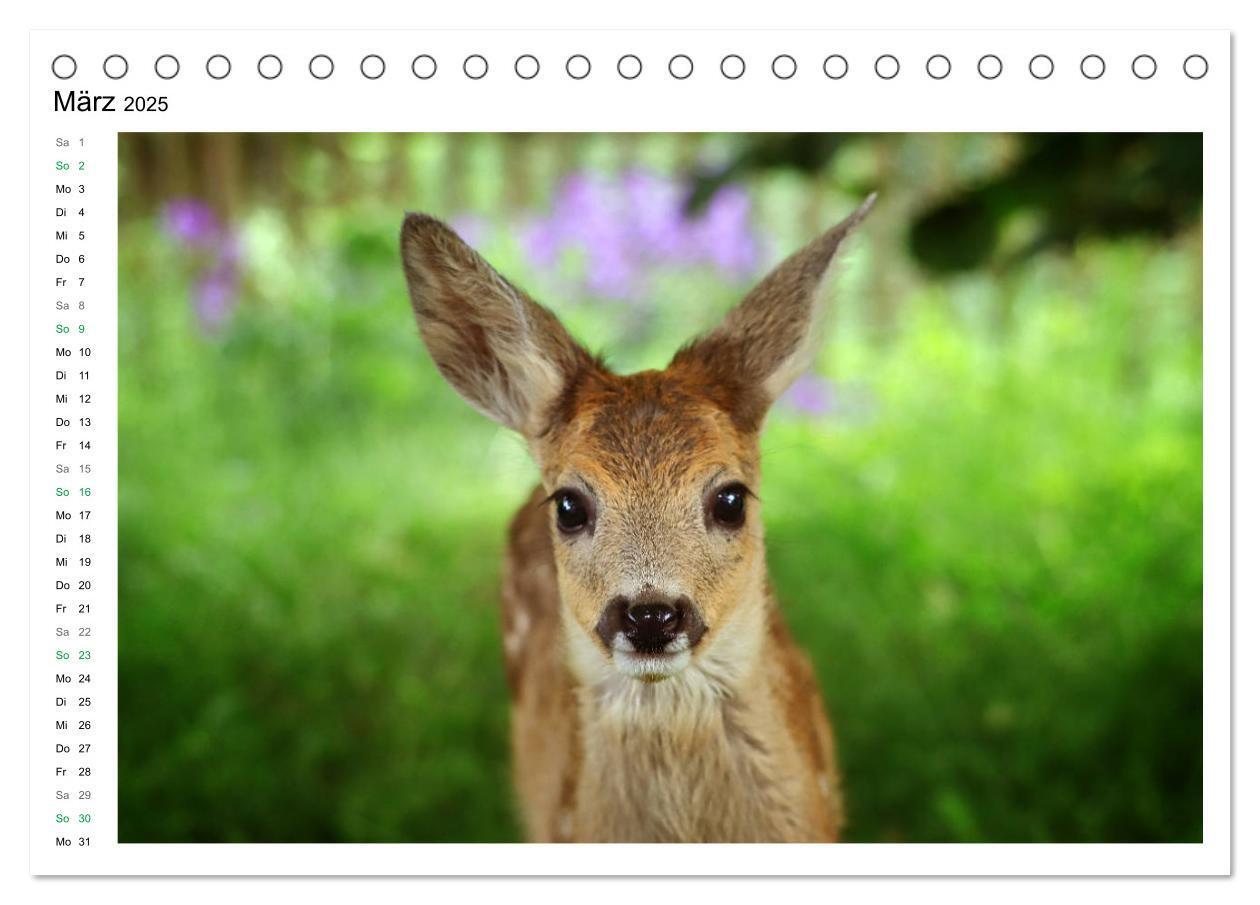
x,y
452,448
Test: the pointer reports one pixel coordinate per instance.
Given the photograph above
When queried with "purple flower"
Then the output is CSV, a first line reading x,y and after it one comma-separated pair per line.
x,y
542,244
812,395
725,234
214,297
191,221
655,214
628,228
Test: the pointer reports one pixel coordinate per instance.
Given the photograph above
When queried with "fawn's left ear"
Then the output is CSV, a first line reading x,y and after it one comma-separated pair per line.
x,y
769,340
502,351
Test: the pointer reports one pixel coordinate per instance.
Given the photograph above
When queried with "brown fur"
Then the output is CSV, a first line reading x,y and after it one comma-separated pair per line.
x,y
757,766
734,743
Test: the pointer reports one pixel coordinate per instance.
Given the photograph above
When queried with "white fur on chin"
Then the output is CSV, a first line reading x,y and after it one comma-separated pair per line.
x,y
650,667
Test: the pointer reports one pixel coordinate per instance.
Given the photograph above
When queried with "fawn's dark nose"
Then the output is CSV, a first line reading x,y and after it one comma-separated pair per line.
x,y
651,626
649,621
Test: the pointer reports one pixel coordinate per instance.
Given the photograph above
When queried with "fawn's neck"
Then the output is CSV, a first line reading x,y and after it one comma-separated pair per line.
x,y
697,756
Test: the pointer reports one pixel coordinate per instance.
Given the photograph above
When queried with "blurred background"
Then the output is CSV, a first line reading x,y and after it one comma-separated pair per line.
x,y
983,506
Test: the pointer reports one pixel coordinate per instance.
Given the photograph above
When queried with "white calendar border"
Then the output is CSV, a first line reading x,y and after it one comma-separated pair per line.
x,y
605,104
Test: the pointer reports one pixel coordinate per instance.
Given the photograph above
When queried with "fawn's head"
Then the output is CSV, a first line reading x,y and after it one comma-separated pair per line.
x,y
652,477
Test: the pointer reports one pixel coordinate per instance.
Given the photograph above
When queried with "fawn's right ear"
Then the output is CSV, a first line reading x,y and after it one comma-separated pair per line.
x,y
499,349
769,339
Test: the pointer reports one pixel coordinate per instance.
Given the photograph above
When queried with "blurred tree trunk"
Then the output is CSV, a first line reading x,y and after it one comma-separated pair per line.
x,y
340,187
220,157
881,238
515,156
454,171
172,153
397,167
265,155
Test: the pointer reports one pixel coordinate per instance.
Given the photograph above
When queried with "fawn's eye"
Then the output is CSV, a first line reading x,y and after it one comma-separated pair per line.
x,y
571,512
728,505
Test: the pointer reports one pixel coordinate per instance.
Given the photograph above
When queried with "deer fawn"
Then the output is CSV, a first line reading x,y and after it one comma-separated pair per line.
x,y
656,692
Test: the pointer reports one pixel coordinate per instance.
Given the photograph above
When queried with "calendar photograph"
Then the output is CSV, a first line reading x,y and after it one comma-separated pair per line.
x,y
660,487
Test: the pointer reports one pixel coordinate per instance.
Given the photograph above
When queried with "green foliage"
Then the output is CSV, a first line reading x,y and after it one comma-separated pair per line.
x,y
992,550
999,574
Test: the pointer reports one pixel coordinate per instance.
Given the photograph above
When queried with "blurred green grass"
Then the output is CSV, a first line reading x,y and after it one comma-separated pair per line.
x,y
992,552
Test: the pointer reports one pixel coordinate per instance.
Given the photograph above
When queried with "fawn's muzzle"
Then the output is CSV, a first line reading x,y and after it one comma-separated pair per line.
x,y
650,622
